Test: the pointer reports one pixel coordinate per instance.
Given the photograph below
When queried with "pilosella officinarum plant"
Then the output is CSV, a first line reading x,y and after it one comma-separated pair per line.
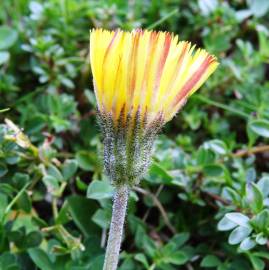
x,y
141,80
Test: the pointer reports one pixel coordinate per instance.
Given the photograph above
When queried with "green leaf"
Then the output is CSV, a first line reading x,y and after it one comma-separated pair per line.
x,y
4,57
8,37
80,184
205,156
250,175
140,257
102,218
96,263
262,254
33,239
6,189
252,136
149,246
63,216
99,190
175,243
256,262
207,7
216,146
177,258
254,198
90,97
158,174
69,168
40,259
247,244
67,82
239,234
260,127
261,220
217,42
3,169
231,195
263,185
226,224
54,172
36,8
39,222
81,210
86,160
17,236
238,219
24,202
180,239
8,262
20,179
12,159
51,183
259,8
3,205
210,261
213,170
261,239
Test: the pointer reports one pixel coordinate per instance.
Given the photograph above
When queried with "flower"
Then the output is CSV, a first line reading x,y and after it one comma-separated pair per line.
x,y
146,70
141,80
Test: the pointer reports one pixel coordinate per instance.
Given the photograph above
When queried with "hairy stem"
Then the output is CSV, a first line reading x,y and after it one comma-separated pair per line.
x,y
116,227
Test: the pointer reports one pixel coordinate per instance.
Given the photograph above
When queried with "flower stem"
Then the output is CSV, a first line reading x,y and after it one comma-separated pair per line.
x,y
120,201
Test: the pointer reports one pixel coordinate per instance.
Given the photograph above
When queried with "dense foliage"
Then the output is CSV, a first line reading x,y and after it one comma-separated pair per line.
x,y
204,203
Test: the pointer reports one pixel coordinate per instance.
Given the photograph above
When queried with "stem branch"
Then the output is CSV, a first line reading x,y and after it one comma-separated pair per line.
x,y
254,150
159,206
116,228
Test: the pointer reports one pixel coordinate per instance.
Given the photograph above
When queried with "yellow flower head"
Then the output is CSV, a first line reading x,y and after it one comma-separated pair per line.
x,y
149,71
141,79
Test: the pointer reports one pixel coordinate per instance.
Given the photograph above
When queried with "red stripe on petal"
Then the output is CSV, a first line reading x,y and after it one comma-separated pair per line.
x,y
106,55
181,57
117,79
178,65
193,80
133,63
167,44
150,56
110,44
166,47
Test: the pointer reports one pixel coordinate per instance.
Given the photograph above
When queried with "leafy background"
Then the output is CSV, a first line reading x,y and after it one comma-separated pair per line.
x,y
204,203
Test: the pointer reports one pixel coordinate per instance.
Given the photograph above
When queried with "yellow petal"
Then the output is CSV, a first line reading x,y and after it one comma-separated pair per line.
x,y
149,71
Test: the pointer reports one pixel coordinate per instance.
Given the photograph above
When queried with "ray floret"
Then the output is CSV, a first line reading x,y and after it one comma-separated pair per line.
x,y
149,71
